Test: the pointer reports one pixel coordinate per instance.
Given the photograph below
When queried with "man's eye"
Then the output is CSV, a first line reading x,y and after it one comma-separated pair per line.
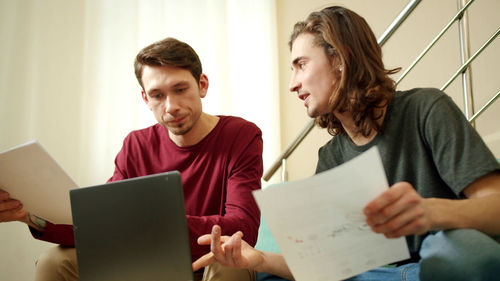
x,y
155,95
302,65
180,90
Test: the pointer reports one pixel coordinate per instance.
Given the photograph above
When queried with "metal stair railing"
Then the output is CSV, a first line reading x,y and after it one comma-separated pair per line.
x,y
463,34
464,66
434,41
385,36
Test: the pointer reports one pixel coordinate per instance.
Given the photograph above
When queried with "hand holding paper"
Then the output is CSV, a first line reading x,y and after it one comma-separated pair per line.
x,y
10,209
319,225
30,175
399,211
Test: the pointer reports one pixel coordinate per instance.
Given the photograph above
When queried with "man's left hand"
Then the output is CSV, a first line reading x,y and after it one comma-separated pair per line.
x,y
398,211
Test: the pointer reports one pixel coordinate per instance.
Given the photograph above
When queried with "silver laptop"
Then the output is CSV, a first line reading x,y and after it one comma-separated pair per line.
x,y
133,229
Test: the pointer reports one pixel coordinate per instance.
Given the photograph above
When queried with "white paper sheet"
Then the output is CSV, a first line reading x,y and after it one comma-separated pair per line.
x,y
319,225
31,176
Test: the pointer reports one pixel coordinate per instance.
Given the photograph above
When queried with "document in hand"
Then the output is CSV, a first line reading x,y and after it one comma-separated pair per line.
x,y
319,225
29,174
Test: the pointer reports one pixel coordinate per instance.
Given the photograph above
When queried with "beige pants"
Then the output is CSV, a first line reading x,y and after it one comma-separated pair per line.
x,y
59,264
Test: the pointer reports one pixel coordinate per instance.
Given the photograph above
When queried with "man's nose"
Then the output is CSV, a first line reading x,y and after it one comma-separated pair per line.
x,y
294,84
171,105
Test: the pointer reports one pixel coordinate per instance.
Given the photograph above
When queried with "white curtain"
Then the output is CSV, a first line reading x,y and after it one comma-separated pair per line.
x,y
67,80
236,42
67,71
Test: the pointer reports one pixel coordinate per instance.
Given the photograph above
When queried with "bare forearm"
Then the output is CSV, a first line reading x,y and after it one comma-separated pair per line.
x,y
477,213
275,264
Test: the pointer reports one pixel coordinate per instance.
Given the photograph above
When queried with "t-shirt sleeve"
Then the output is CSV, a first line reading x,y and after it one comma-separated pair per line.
x,y
460,155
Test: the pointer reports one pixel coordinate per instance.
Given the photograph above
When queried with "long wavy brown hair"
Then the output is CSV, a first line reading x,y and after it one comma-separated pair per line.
x,y
363,85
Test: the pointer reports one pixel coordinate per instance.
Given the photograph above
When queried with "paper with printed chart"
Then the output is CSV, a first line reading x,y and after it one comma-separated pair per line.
x,y
29,174
319,225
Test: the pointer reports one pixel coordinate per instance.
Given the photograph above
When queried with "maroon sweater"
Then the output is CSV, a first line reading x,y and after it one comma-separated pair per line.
x,y
218,174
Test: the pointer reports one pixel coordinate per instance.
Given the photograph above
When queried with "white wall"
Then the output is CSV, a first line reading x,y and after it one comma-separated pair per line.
x,y
50,41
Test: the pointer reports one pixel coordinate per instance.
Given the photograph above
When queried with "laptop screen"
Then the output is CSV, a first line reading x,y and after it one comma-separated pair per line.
x,y
133,229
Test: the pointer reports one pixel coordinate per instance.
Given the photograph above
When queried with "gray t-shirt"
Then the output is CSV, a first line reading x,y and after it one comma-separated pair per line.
x,y
427,142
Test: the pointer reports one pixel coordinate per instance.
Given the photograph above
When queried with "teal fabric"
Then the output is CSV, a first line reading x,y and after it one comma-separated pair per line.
x,y
265,240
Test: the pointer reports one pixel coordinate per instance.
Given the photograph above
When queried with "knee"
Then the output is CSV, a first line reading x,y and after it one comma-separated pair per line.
x,y
445,268
56,260
460,255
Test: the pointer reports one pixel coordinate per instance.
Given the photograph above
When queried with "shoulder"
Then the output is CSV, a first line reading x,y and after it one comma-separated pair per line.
x,y
329,145
420,96
236,138
332,147
420,102
238,125
329,155
237,134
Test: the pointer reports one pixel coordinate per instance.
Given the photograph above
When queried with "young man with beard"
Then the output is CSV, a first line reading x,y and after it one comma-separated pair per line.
x,y
219,158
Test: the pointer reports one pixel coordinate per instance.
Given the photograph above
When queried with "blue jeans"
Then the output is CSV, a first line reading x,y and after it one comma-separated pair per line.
x,y
459,254
407,272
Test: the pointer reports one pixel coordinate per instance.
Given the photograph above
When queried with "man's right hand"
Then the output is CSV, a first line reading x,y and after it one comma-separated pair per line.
x,y
11,209
228,251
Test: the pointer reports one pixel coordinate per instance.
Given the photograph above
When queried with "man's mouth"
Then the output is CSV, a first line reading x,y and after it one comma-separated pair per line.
x,y
303,96
176,120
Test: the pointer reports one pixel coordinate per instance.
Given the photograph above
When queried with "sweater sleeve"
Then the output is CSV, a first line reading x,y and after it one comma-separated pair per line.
x,y
63,233
56,233
241,212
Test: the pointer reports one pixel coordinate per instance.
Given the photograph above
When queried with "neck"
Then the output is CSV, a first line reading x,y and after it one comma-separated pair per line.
x,y
205,124
354,131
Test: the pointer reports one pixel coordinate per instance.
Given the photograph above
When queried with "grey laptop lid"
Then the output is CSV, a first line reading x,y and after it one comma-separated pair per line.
x,y
133,229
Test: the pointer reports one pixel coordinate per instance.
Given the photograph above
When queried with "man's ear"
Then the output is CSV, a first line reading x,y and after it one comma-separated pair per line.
x,y
145,99
203,85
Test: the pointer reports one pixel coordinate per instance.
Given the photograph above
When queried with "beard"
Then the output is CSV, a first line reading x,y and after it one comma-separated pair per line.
x,y
180,129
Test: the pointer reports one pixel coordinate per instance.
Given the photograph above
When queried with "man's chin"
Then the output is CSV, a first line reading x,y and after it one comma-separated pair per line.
x,y
312,114
178,131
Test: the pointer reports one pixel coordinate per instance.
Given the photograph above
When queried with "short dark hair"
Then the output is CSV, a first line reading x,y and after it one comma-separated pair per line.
x,y
168,52
364,83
